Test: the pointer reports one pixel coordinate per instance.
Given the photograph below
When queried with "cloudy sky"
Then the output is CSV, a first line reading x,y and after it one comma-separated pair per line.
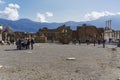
x,y
58,10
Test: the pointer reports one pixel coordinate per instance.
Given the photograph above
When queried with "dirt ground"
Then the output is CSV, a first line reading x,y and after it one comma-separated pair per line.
x,y
49,61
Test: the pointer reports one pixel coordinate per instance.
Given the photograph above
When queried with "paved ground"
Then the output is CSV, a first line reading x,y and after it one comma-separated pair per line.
x,y
49,62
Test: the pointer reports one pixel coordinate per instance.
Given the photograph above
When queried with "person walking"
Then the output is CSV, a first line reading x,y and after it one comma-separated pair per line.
x,y
94,42
87,41
103,43
19,44
99,41
79,41
28,44
32,42
25,43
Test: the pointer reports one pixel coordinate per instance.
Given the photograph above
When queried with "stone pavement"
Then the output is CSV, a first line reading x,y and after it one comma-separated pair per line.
x,y
49,62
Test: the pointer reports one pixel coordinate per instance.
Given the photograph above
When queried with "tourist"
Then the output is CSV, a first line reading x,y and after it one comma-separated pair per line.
x,y
94,42
74,41
99,42
87,41
28,44
104,43
79,41
25,43
18,43
32,42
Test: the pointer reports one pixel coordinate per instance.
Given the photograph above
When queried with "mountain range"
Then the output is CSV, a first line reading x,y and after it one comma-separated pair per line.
x,y
26,25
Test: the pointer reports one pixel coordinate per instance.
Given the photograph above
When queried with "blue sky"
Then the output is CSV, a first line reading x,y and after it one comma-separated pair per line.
x,y
58,10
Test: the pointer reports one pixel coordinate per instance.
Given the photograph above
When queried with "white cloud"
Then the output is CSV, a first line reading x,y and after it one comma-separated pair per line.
x,y
10,12
1,2
42,17
11,5
96,15
49,14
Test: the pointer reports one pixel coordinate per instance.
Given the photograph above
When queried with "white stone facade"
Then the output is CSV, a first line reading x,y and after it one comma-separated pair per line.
x,y
111,34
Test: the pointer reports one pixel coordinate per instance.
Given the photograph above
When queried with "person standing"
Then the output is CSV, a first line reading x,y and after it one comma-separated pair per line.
x,y
87,41
19,44
104,43
79,41
94,42
32,42
99,42
25,43
28,44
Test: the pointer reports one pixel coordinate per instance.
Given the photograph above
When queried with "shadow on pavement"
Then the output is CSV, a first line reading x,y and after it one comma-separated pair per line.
x,y
10,49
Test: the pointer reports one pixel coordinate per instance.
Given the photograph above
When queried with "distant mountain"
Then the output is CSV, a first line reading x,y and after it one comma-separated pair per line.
x,y
101,22
27,25
24,25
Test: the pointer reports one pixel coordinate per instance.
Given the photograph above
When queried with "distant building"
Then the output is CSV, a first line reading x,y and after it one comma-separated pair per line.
x,y
23,35
65,34
57,34
8,34
90,32
1,32
110,34
50,34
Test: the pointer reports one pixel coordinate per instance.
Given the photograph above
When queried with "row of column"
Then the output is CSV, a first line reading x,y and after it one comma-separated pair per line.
x,y
114,35
109,24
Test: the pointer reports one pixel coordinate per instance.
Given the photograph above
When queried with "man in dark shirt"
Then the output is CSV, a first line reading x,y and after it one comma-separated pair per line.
x,y
32,42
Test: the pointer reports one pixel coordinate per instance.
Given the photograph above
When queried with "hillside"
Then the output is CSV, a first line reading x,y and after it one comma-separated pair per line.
x,y
27,25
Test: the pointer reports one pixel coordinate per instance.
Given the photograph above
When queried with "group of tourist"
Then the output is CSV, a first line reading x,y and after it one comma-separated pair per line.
x,y
25,43
88,42
99,42
28,43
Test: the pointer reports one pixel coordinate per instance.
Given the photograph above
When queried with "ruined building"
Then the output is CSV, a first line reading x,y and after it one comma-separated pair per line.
x,y
90,32
8,34
62,34
109,33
